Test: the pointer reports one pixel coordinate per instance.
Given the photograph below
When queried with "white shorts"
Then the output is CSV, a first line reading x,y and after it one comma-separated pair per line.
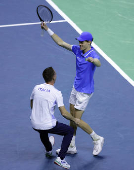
x,y
79,100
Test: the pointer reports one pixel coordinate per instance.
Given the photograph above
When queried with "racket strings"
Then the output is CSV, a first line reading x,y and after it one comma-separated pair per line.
x,y
45,14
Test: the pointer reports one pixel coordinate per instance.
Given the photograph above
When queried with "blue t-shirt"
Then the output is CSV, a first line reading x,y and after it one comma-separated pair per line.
x,y
84,81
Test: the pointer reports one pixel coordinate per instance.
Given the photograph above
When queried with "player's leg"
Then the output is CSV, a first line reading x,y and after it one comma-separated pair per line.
x,y
72,124
83,125
67,133
78,114
72,146
48,142
80,106
72,101
81,103
78,102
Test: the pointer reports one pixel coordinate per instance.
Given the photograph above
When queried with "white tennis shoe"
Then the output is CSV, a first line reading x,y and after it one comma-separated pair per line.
x,y
62,163
98,146
71,150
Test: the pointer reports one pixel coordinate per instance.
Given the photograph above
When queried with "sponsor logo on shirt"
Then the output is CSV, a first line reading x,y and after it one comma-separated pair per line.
x,y
45,90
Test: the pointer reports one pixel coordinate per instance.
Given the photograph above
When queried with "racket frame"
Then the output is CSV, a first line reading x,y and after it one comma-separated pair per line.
x,y
47,9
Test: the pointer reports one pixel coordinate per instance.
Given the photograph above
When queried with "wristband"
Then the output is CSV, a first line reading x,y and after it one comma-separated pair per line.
x,y
50,32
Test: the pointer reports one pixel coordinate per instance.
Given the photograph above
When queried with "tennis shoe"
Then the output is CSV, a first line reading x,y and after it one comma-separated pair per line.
x,y
49,153
71,150
98,146
62,163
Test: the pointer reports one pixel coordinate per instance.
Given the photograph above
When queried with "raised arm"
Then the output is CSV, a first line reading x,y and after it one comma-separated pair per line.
x,y
56,38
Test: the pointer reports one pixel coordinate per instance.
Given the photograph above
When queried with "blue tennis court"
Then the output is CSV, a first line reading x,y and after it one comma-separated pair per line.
x,y
24,55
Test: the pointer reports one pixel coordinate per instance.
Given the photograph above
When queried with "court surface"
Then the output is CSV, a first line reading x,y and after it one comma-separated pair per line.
x,y
24,55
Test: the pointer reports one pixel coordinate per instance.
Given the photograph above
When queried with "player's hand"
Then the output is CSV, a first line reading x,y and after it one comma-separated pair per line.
x,y
77,121
90,59
44,26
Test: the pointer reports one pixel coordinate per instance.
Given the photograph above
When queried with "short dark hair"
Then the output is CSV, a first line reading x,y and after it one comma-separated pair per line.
x,y
48,74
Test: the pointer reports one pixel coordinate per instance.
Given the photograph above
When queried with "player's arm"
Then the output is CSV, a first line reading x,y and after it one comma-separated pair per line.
x,y
67,115
56,38
95,61
60,42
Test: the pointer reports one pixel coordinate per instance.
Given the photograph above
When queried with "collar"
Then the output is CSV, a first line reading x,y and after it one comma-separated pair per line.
x,y
87,53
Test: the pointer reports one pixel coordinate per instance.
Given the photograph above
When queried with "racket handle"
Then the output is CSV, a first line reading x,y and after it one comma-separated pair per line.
x,y
42,32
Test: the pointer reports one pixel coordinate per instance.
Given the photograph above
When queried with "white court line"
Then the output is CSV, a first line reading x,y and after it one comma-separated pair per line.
x,y
14,25
93,44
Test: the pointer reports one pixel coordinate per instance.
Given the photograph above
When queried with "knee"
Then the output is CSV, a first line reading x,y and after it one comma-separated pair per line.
x,y
71,130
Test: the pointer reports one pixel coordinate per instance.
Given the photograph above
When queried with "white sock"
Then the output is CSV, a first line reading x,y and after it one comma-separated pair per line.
x,y
73,138
72,141
94,136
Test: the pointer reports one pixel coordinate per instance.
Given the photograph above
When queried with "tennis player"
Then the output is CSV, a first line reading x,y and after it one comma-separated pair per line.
x,y
44,98
86,62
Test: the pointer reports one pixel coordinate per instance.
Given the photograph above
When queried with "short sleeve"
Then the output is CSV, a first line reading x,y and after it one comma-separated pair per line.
x,y
75,48
59,99
32,94
95,55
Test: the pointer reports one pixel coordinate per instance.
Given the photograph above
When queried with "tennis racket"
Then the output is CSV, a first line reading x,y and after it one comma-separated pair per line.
x,y
44,14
